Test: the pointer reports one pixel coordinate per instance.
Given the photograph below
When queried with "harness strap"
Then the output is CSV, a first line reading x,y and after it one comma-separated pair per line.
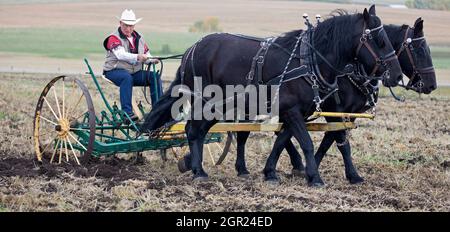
x,y
258,63
416,71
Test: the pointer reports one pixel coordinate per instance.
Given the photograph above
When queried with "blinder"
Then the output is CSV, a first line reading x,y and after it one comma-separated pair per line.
x,y
419,68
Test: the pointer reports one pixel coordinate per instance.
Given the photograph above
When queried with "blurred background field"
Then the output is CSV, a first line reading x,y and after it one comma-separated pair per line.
x,y
54,36
404,154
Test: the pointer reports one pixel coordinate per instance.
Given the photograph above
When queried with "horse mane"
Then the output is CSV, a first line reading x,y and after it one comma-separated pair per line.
x,y
334,34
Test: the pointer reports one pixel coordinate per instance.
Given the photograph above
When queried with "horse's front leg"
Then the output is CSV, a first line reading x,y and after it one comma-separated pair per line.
x,y
324,146
240,165
269,171
296,160
297,126
196,131
343,145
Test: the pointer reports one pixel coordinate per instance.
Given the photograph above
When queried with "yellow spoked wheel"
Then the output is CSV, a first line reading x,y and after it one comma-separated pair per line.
x,y
63,109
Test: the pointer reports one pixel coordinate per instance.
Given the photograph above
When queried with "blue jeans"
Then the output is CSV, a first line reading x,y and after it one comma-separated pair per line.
x,y
126,81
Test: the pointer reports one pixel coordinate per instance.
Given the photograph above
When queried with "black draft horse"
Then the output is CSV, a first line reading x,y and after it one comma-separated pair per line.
x,y
225,59
415,60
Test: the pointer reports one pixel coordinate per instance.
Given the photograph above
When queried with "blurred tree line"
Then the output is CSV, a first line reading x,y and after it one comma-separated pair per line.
x,y
429,4
210,24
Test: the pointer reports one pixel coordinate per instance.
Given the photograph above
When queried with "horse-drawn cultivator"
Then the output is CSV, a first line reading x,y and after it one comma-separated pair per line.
x,y
67,125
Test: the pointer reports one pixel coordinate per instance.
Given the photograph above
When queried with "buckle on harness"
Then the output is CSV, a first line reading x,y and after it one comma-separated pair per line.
x,y
260,59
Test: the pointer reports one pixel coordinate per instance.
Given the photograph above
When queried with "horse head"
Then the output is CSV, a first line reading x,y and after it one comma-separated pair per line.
x,y
415,59
375,51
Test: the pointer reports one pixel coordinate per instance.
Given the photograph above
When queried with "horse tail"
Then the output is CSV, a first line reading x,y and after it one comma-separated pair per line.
x,y
161,111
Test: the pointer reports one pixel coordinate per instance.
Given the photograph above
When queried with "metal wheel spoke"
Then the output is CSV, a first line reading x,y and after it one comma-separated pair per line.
x,y
63,97
76,118
48,145
48,104
54,152
74,155
76,140
57,102
60,152
71,95
67,153
78,129
46,133
69,112
48,120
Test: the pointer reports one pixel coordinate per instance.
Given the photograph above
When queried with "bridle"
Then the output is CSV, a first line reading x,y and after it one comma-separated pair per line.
x,y
379,60
417,71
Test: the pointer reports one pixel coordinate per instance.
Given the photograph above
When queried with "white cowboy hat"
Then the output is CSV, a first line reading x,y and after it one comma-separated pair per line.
x,y
128,17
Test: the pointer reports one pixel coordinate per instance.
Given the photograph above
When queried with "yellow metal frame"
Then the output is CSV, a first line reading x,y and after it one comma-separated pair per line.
x,y
342,115
224,127
273,127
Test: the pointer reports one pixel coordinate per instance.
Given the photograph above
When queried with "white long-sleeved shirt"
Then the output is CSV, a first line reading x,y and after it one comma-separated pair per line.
x,y
131,58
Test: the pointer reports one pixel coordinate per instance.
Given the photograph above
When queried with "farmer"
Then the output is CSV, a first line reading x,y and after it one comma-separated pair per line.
x,y
126,51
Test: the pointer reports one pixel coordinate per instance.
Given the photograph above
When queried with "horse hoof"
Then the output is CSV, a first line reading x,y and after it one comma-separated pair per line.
x,y
273,182
244,176
182,166
200,179
298,173
317,185
356,180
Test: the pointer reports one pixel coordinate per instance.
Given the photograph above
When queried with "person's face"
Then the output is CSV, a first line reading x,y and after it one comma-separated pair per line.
x,y
126,29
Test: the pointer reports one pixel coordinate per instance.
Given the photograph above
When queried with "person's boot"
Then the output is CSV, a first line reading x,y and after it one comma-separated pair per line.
x,y
133,117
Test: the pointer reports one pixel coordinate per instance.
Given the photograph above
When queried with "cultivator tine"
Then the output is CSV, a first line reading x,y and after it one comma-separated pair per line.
x,y
210,154
221,149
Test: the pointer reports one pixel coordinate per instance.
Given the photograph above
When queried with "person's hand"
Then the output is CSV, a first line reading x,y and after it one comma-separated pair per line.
x,y
153,61
142,57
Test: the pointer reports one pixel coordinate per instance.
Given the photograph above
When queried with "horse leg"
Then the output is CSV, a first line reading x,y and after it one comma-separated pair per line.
x,y
344,147
297,126
326,143
296,160
196,132
240,165
269,171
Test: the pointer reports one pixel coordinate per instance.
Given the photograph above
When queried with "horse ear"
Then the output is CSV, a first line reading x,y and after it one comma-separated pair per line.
x,y
372,10
417,21
366,15
418,26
